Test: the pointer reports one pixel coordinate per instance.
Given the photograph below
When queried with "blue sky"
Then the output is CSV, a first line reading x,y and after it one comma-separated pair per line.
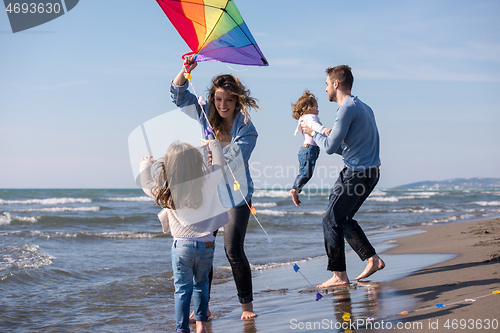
x,y
73,89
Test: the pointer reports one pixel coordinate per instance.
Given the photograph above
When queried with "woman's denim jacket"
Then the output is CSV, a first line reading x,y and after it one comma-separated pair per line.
x,y
237,153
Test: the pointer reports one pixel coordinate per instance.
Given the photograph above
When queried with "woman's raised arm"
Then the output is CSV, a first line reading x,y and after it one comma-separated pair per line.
x,y
187,67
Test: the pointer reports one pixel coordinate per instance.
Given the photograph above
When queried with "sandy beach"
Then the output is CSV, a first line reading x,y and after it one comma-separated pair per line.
x,y
454,264
471,274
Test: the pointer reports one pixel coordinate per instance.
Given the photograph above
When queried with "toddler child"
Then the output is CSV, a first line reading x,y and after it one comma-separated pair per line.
x,y
306,110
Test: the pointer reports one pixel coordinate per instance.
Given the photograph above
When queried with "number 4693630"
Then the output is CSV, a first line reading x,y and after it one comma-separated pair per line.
x,y
473,324
33,8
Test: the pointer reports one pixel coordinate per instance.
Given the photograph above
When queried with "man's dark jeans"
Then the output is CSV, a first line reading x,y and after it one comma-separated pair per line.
x,y
348,194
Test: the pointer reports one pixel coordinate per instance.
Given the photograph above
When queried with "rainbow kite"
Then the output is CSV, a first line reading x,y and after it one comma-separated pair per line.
x,y
214,30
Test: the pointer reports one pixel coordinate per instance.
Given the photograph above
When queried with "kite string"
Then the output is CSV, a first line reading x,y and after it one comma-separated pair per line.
x,y
201,107
236,70
269,239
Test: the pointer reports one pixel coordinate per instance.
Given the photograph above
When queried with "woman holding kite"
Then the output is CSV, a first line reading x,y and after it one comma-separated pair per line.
x,y
225,118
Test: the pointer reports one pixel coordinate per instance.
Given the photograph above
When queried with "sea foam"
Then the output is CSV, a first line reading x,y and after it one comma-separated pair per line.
x,y
8,218
24,256
383,199
60,209
265,204
49,201
486,203
139,199
271,212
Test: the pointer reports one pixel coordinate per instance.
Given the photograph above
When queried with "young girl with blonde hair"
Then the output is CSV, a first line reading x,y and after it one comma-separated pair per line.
x,y
191,212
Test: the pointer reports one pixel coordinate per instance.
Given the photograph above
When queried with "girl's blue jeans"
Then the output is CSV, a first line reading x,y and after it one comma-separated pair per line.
x,y
308,154
191,263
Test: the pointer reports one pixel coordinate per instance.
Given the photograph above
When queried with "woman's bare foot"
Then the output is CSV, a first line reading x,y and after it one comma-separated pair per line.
x,y
373,264
200,327
338,279
295,197
247,311
191,316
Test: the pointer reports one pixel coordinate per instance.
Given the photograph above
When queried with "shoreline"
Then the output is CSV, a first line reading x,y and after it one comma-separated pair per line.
x,y
463,284
444,264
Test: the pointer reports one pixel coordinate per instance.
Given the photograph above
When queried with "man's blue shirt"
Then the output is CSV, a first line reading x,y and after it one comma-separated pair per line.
x,y
354,135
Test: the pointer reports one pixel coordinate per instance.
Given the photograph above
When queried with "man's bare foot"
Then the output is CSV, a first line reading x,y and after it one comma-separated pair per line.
x,y
373,264
338,279
191,316
295,197
200,327
248,311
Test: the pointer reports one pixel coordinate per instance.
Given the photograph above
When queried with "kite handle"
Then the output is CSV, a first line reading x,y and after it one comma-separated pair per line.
x,y
188,75
188,54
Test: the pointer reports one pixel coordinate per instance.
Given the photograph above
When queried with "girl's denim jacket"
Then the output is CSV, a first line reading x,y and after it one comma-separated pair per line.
x,y
237,153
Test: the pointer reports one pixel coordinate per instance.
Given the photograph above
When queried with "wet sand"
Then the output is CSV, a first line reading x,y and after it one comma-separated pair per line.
x,y
473,272
443,264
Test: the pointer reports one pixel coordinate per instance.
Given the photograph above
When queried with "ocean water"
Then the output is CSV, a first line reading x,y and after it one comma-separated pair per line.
x,y
96,260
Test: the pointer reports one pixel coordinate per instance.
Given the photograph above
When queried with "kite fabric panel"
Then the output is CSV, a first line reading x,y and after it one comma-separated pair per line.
x,y
214,31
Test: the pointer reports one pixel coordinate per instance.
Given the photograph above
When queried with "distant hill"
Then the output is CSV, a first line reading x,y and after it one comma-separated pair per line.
x,y
455,184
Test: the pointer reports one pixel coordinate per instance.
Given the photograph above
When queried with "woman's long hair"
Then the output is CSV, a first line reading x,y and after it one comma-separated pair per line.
x,y
244,102
180,177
